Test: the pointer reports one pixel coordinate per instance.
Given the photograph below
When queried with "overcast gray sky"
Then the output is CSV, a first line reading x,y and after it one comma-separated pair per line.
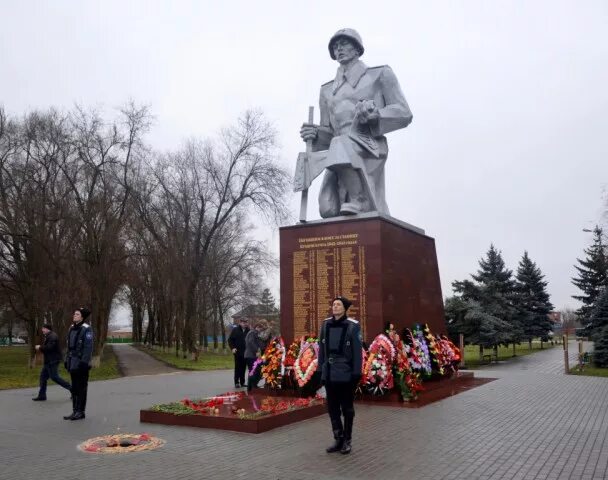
x,y
510,100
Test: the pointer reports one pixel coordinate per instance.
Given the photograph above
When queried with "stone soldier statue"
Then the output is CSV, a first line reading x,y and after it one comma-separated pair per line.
x,y
358,108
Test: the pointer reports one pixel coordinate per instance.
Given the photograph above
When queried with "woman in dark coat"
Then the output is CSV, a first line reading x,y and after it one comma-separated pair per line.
x,y
340,358
256,342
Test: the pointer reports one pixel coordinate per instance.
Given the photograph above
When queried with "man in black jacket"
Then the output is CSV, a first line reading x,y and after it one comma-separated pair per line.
x,y
340,359
52,357
236,342
77,362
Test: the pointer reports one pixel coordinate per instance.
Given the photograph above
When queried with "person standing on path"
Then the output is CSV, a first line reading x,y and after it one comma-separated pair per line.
x,y
52,357
340,360
256,342
236,342
77,362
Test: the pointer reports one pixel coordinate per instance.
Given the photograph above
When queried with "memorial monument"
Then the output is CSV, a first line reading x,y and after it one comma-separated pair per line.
x,y
386,266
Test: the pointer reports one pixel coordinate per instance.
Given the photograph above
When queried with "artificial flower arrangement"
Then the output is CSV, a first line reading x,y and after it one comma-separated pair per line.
x,y
307,361
449,353
413,351
292,353
362,381
407,380
273,367
434,353
257,365
422,350
378,368
289,378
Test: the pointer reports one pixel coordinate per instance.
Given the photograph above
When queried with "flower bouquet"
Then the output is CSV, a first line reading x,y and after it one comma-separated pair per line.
x,y
410,384
411,349
360,388
289,379
422,349
292,353
407,380
449,353
377,370
273,367
434,353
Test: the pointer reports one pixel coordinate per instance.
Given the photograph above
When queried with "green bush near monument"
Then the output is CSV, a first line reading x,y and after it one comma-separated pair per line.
x,y
15,373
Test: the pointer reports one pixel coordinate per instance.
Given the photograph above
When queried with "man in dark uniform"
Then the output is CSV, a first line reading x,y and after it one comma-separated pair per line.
x,y
77,362
52,358
236,342
340,364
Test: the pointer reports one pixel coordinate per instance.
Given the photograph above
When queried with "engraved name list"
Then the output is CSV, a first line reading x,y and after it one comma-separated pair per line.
x,y
324,267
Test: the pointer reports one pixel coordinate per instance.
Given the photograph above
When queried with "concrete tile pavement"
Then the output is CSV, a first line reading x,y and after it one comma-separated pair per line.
x,y
531,423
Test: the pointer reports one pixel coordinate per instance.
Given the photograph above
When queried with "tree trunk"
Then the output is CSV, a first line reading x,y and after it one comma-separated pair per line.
x,y
481,353
220,312
530,344
514,354
100,313
215,342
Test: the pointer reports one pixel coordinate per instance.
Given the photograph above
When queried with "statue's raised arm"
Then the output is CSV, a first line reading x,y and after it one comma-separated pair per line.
x,y
357,108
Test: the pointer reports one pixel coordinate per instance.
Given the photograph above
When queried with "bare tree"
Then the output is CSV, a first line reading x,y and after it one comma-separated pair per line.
x,y
570,320
101,173
237,264
196,192
36,225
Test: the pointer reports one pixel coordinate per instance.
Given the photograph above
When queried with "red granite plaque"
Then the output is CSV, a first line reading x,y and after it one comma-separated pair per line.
x,y
387,268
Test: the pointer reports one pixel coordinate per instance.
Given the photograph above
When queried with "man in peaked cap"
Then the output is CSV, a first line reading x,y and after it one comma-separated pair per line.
x,y
358,108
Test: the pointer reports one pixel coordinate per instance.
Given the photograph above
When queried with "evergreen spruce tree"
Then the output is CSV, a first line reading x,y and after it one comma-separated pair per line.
x,y
599,316
491,317
532,300
455,309
592,275
599,330
267,302
600,348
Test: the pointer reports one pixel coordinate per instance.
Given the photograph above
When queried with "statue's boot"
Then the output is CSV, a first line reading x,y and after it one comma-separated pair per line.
x,y
350,208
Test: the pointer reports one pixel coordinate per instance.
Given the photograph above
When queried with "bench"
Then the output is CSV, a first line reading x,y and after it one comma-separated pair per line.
x,y
585,358
487,359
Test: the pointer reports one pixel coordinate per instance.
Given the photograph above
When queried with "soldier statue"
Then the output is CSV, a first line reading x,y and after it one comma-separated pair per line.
x,y
358,108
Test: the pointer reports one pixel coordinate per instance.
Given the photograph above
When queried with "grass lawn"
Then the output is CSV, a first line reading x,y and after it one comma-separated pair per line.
x,y
14,372
206,361
590,371
471,353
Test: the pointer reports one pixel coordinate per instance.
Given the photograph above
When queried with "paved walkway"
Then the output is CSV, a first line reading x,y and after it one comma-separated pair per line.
x,y
133,362
534,422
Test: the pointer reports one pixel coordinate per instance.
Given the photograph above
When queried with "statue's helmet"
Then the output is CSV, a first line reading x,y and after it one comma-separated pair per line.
x,y
349,33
